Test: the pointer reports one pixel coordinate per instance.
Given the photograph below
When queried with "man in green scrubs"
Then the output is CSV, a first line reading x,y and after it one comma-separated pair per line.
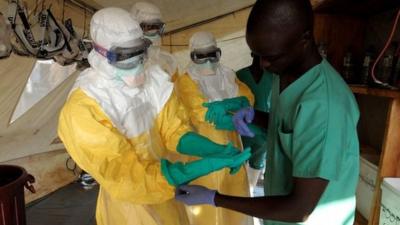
x,y
260,82
313,150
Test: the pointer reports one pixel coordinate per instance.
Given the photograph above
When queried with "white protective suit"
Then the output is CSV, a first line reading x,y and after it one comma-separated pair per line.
x,y
145,12
211,82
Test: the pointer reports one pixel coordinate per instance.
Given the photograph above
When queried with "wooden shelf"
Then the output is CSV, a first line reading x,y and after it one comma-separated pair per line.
x,y
344,25
379,92
368,150
373,158
360,220
355,7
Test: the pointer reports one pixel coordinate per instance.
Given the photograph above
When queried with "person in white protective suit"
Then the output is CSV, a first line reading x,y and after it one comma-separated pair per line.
x,y
124,125
211,93
150,19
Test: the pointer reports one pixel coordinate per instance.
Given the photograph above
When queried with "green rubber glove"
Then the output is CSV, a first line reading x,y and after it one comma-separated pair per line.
x,y
217,109
257,130
181,173
258,145
226,123
194,144
258,155
234,104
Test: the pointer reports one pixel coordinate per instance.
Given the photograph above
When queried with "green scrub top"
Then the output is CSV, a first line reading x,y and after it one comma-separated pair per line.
x,y
312,133
261,92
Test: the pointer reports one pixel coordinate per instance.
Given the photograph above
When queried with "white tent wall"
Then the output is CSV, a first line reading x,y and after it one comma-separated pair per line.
x,y
181,13
34,131
28,142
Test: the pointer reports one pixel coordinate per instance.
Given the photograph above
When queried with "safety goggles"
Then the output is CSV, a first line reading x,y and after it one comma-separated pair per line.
x,y
199,57
125,57
153,29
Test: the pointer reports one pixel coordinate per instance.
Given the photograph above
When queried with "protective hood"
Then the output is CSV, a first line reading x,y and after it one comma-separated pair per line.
x,y
145,12
215,87
165,60
132,110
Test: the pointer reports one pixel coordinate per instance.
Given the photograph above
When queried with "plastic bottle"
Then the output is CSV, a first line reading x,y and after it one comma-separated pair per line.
x,y
323,51
386,67
348,70
365,71
387,63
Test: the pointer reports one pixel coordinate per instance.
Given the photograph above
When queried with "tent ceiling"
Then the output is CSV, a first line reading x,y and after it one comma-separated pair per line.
x,y
181,13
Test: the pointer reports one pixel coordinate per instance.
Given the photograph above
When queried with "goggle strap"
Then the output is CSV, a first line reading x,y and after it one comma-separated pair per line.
x,y
102,51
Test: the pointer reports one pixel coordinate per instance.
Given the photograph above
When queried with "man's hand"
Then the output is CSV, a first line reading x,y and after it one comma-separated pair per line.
x,y
241,118
195,195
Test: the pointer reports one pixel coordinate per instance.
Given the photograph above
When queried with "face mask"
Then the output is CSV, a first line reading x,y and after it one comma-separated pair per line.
x,y
207,68
132,77
155,39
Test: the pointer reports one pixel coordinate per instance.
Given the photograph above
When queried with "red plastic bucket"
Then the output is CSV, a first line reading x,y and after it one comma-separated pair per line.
x,y
13,179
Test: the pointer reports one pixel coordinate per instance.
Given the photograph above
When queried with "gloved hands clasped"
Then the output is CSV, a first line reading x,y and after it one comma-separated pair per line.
x,y
213,157
241,119
220,113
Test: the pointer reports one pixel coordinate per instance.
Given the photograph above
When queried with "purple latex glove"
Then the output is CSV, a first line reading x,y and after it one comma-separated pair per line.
x,y
195,195
241,118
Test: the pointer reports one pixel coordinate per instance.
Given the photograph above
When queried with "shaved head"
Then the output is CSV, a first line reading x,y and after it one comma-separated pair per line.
x,y
281,33
282,14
